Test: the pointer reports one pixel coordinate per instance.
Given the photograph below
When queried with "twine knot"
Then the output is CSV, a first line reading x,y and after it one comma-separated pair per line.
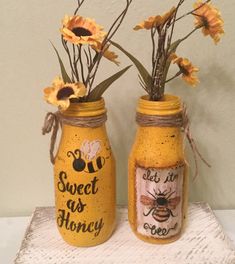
x,y
53,121
176,120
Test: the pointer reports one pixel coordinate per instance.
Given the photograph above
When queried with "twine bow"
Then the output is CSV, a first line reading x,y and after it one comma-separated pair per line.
x,y
188,134
53,121
176,120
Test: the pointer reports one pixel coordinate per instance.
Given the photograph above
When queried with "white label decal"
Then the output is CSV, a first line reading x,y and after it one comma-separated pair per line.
x,y
159,201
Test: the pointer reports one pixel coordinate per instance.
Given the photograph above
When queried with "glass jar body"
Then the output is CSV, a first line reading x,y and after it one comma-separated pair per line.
x,y
157,182
84,180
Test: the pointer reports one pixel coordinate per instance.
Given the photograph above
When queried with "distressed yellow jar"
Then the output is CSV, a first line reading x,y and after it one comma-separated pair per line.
x,y
84,179
158,183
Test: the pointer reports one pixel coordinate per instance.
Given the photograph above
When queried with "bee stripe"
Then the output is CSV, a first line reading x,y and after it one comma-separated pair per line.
x,y
161,215
90,167
161,219
95,165
162,212
99,163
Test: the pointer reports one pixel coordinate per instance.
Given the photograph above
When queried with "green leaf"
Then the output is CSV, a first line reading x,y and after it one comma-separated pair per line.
x,y
174,45
142,70
62,68
97,92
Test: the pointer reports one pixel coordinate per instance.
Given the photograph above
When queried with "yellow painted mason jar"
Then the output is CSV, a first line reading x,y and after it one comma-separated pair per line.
x,y
158,183
84,176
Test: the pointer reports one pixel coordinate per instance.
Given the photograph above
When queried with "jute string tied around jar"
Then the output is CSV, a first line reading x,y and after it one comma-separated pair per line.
x,y
53,122
177,120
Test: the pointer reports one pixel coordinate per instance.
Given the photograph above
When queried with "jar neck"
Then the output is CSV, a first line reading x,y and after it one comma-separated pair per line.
x,y
169,105
86,109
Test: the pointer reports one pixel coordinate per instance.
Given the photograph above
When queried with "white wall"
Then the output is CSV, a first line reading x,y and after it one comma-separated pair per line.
x,y
28,64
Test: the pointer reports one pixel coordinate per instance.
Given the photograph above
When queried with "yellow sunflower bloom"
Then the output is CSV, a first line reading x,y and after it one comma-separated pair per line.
x,y
209,18
155,21
110,55
60,93
187,69
80,30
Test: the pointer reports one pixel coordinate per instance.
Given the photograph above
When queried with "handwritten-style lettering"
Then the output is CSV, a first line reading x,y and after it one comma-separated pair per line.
x,y
64,220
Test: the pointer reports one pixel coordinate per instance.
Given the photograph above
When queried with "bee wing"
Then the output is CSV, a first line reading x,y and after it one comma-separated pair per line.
x,y
173,202
145,200
85,148
95,148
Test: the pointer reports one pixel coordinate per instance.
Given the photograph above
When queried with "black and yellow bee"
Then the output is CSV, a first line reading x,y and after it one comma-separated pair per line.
x,y
161,205
87,158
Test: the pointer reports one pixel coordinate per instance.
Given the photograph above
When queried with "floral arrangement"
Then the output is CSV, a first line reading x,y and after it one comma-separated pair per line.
x,y
161,27
86,44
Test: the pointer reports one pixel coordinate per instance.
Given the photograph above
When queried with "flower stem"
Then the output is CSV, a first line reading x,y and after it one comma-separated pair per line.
x,y
75,60
175,76
189,34
191,12
81,62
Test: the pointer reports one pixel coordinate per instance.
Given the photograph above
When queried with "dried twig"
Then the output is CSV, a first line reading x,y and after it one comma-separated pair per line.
x,y
92,71
80,2
162,50
70,59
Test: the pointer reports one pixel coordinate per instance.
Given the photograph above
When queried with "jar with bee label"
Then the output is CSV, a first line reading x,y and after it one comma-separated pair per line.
x,y
158,183
84,176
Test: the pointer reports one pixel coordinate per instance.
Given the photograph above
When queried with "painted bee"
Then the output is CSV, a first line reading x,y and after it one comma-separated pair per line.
x,y
86,158
161,205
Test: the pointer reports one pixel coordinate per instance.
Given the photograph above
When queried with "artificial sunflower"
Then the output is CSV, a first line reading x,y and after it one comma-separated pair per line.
x,y
209,18
187,70
110,55
80,30
60,93
155,21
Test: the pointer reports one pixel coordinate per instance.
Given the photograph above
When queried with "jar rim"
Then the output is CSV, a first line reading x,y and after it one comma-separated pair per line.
x,y
170,104
85,109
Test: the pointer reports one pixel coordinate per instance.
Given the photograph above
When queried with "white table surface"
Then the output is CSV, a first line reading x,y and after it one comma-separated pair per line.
x,y
12,231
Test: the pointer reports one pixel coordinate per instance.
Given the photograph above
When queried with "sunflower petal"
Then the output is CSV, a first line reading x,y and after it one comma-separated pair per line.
x,y
209,18
80,30
60,93
187,69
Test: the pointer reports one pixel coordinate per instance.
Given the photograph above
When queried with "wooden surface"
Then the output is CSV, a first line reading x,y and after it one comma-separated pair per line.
x,y
203,242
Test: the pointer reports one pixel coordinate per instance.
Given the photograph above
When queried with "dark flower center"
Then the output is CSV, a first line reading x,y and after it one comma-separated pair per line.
x,y
81,32
64,93
205,22
183,70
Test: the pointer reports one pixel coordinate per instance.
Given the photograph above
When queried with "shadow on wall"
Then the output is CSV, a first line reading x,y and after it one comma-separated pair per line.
x,y
122,127
207,106
207,94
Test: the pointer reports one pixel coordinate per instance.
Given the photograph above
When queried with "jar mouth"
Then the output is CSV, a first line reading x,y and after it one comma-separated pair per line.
x,y
170,104
85,109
